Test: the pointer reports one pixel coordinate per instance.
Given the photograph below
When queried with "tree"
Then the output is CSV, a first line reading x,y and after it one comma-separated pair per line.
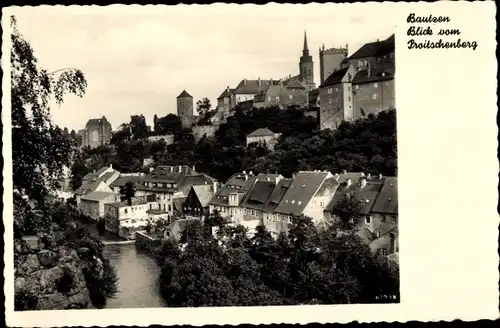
x,y
348,210
39,149
170,124
127,192
78,170
203,108
138,127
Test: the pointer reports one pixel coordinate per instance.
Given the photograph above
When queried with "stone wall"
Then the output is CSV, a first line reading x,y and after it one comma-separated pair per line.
x,y
142,240
200,130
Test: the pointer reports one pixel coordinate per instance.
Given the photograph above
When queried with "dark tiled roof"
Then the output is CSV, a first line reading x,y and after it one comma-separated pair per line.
x,y
376,74
122,181
178,226
237,183
252,86
259,194
278,194
294,84
335,77
263,132
97,122
303,188
106,176
101,171
375,49
366,195
184,94
179,203
387,201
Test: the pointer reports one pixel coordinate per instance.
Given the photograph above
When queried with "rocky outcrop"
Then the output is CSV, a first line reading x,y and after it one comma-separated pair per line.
x,y
54,277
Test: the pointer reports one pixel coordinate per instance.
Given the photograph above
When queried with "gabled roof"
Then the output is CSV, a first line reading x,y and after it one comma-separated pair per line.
x,y
295,84
335,77
179,204
97,195
366,195
263,132
299,194
239,182
376,74
204,193
122,181
278,194
226,93
178,226
252,86
387,200
259,194
184,94
375,49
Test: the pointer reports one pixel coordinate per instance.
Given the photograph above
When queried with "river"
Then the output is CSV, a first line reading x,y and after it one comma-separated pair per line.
x,y
137,274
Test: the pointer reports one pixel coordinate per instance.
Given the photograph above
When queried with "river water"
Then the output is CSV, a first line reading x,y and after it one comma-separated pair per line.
x,y
137,274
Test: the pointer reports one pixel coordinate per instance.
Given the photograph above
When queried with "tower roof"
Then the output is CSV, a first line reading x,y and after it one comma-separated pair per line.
x,y
306,49
184,94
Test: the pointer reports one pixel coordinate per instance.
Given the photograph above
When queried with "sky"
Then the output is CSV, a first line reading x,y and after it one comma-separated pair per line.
x,y
138,59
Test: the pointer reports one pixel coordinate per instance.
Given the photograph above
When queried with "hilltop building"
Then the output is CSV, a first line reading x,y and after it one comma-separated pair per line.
x,y
330,60
97,133
363,85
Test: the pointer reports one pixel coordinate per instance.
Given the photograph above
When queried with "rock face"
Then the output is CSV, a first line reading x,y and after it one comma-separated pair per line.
x,y
55,277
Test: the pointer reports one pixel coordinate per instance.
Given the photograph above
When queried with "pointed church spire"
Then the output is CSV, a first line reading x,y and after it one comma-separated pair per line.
x,y
306,49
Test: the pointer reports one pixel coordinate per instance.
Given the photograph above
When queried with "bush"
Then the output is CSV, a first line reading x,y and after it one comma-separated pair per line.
x,y
25,301
65,283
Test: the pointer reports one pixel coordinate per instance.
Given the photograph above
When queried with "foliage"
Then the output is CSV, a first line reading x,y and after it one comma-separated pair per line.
x,y
65,283
348,210
203,107
138,127
78,171
304,266
127,192
25,301
39,148
169,124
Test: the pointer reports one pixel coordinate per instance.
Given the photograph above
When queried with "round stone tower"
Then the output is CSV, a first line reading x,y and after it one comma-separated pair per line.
x,y
185,109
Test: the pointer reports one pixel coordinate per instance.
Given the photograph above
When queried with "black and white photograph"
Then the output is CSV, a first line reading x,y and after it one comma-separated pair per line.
x,y
204,156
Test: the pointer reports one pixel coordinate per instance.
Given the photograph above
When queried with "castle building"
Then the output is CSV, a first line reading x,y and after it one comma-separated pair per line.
x,y
365,84
330,60
97,133
185,107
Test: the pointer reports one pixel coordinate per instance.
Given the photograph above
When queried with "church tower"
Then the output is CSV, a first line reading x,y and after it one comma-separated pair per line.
x,y
306,67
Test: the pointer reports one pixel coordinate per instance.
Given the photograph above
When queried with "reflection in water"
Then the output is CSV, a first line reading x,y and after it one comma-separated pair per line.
x,y
138,277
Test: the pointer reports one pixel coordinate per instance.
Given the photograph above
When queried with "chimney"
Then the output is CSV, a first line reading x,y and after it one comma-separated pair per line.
x,y
227,88
251,173
194,168
246,177
368,70
214,186
260,84
344,171
151,169
337,176
362,174
244,172
171,169
244,81
348,182
380,176
363,182
110,166
368,176
180,169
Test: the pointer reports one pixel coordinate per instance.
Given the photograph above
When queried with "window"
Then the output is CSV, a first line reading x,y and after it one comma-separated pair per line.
x,y
375,85
357,87
382,218
368,220
321,204
330,100
269,99
360,63
349,98
375,96
392,235
278,99
330,90
378,234
393,219
336,89
126,211
348,88
383,252
291,97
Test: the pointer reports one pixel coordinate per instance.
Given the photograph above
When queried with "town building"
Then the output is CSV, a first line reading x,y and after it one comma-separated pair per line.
x,y
185,109
330,60
308,195
263,136
92,203
99,180
228,198
247,89
123,179
196,204
376,54
175,229
126,217
169,183
287,93
373,91
336,96
97,133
